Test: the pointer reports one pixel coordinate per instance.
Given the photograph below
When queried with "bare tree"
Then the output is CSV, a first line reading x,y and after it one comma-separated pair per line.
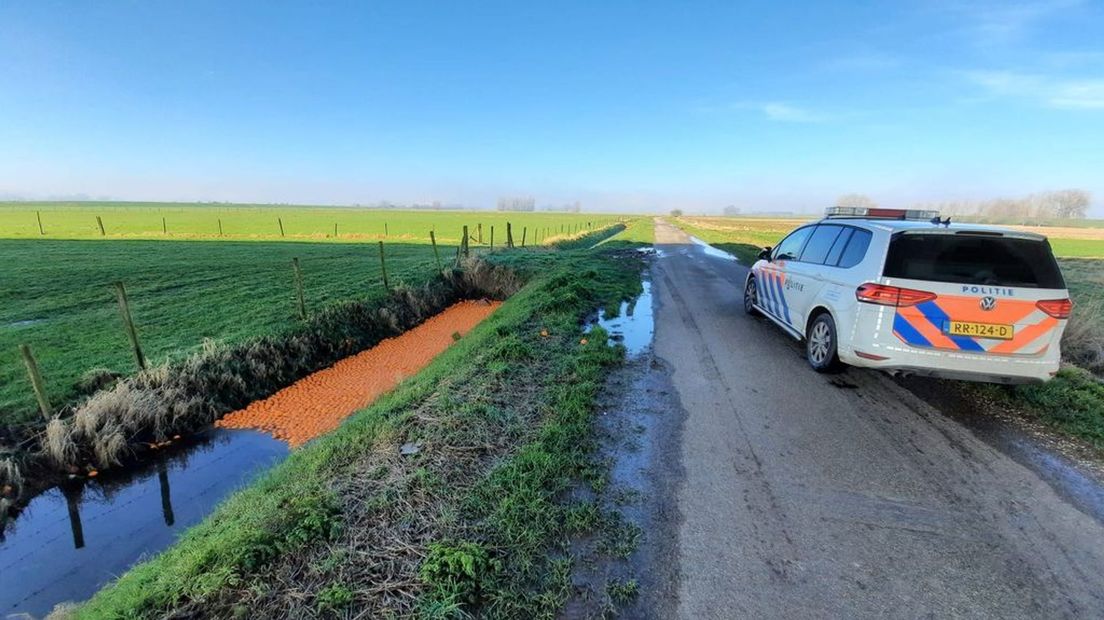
x,y
856,200
1071,203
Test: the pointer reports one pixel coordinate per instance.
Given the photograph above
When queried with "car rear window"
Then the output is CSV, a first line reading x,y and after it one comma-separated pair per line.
x,y
973,259
856,248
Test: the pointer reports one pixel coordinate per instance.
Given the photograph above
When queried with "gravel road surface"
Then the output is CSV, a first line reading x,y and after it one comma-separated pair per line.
x,y
804,495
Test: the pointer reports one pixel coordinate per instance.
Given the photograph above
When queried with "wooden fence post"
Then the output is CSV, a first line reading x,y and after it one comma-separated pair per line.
x,y
220,226
464,243
479,233
164,226
36,381
437,255
383,268
509,236
99,222
128,323
299,288
524,230
335,230
38,214
492,237
281,223
385,233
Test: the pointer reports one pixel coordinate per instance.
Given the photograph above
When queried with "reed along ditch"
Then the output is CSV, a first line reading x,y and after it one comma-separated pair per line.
x,y
69,541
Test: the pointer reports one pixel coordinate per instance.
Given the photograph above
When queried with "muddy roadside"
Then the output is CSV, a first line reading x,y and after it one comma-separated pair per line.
x,y
638,424
1072,467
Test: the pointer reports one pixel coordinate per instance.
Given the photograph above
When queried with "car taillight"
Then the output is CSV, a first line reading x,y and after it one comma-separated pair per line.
x,y
1057,308
891,295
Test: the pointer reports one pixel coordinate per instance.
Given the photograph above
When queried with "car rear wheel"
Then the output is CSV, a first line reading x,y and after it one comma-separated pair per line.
x,y
821,347
751,296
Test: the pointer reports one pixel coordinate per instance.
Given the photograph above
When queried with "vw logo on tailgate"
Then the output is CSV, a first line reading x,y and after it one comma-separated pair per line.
x,y
988,303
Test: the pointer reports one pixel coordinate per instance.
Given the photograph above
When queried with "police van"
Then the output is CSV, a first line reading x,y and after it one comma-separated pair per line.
x,y
906,292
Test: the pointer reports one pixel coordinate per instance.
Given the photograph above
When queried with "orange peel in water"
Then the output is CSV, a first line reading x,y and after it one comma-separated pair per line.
x,y
319,402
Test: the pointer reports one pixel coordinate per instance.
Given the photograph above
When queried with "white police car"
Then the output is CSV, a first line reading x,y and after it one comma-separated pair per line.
x,y
901,291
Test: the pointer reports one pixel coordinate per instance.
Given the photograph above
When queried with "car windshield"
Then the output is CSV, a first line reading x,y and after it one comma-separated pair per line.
x,y
973,259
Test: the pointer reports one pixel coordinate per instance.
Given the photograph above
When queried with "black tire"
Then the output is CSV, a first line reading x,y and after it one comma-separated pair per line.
x,y
821,345
751,296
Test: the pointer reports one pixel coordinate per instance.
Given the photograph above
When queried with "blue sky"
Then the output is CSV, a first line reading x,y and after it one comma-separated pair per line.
x,y
621,105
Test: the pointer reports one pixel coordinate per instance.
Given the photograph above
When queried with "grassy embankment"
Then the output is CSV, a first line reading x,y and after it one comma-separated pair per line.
x,y
1074,401
60,301
477,520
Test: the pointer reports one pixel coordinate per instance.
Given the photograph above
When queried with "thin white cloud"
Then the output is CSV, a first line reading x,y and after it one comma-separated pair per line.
x,y
1004,21
1053,92
786,113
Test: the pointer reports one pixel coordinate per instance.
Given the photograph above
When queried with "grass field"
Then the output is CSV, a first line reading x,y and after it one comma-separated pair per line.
x,y
60,300
253,222
190,286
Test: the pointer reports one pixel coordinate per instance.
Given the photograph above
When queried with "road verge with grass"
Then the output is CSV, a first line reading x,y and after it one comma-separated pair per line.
x,y
445,497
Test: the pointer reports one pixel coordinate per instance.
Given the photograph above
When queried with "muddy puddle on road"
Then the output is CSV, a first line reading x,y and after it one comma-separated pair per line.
x,y
72,540
634,325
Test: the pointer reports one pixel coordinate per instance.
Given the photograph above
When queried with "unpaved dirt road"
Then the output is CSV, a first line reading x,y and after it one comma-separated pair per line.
x,y
802,495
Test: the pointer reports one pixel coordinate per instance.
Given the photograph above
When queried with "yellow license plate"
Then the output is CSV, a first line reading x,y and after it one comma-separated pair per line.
x,y
980,330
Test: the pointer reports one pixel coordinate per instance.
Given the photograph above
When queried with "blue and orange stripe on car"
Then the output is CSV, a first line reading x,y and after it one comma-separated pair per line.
x,y
923,325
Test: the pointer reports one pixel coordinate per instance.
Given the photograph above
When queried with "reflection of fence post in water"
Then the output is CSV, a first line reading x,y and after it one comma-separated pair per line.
x,y
166,500
72,500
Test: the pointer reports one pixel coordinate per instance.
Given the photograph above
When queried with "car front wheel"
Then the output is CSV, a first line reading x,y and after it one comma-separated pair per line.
x,y
751,296
821,347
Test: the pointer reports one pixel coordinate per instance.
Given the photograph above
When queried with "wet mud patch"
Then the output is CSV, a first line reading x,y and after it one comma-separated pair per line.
x,y
629,565
1073,469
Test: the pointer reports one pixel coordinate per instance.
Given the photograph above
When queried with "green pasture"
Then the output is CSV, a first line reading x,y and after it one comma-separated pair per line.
x,y
20,220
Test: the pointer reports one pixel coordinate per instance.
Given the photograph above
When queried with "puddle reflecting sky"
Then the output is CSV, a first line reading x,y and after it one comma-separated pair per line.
x,y
634,325
712,251
71,541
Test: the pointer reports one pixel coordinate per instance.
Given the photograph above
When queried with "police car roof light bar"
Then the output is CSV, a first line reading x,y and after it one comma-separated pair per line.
x,y
880,214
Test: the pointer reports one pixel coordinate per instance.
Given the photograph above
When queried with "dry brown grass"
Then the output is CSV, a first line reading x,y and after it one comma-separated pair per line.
x,y
59,444
10,474
1083,340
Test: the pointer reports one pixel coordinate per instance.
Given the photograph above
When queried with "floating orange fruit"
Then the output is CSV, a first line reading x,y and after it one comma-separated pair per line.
x,y
317,404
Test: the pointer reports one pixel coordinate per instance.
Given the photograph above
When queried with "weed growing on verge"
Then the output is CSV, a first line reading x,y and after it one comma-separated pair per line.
x,y
1073,402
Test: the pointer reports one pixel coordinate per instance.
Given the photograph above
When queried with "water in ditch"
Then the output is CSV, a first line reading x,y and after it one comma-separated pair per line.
x,y
71,540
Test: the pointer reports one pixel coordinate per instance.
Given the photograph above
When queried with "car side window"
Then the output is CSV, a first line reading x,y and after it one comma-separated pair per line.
x,y
820,242
790,247
856,248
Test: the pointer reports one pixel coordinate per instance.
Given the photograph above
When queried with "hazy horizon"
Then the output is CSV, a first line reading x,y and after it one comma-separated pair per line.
x,y
621,107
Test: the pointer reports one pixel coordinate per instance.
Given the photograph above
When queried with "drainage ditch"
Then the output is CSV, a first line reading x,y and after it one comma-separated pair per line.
x,y
67,542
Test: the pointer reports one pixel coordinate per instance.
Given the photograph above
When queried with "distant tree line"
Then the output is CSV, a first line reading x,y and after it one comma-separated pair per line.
x,y
1055,205
517,203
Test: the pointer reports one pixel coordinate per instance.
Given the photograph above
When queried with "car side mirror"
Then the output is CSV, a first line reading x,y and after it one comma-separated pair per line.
x,y
764,254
